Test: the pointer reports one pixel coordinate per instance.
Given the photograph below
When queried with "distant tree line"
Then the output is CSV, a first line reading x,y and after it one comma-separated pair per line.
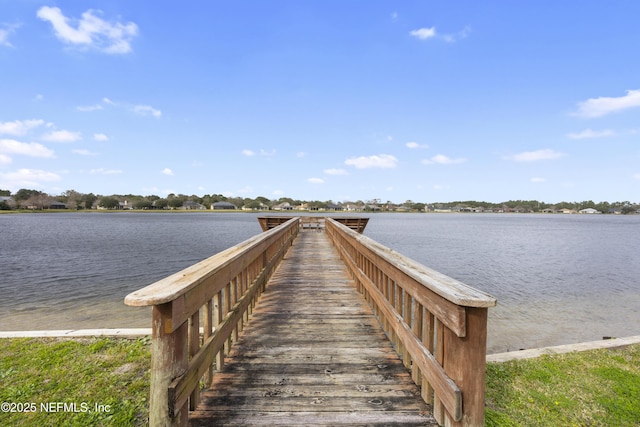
x,y
74,200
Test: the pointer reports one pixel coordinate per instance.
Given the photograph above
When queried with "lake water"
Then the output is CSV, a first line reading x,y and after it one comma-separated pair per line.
x,y
558,278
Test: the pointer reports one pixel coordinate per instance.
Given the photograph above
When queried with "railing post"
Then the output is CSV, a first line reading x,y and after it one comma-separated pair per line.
x,y
168,360
465,363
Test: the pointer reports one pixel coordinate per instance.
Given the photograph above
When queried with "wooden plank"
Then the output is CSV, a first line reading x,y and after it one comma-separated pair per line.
x,y
312,354
359,391
320,403
249,379
241,418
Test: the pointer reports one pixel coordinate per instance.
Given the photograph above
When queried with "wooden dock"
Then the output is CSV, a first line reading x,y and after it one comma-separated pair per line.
x,y
313,323
313,354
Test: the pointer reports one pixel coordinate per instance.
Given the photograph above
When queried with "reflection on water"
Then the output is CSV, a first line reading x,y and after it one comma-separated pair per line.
x,y
558,278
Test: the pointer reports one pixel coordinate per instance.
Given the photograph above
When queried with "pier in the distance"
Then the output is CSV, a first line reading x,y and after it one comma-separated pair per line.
x,y
312,323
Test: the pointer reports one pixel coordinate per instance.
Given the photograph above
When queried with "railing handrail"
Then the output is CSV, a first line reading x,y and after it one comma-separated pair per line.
x,y
171,287
447,287
438,325
224,288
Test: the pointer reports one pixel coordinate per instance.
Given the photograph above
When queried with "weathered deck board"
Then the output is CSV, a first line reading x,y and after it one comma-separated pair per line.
x,y
313,355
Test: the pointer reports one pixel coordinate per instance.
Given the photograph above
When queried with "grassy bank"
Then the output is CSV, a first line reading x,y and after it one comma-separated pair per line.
x,y
594,388
79,382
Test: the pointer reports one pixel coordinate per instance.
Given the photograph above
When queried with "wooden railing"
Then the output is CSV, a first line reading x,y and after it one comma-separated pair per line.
x,y
438,325
223,288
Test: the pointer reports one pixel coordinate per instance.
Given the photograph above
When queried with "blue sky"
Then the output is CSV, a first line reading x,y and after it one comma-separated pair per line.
x,y
323,100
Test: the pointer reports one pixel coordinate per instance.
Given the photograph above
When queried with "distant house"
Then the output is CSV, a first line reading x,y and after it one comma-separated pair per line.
x,y
352,207
334,207
223,206
191,205
57,205
589,211
285,206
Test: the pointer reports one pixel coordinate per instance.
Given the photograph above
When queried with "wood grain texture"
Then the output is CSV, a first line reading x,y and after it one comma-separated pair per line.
x,y
312,354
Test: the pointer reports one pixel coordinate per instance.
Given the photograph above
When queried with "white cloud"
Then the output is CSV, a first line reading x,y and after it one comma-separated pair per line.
x,y
414,145
89,108
103,171
384,161
140,109
146,110
316,180
19,127
430,33
589,133
32,149
4,159
335,172
300,154
100,137
537,179
84,152
441,159
5,31
636,176
62,136
28,178
90,31
424,33
533,156
167,171
598,107
462,34
267,153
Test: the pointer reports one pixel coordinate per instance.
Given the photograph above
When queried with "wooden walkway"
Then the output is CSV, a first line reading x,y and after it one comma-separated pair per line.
x,y
312,354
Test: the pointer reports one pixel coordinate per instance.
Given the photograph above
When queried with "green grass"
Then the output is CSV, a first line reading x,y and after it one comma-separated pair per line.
x,y
594,388
45,374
